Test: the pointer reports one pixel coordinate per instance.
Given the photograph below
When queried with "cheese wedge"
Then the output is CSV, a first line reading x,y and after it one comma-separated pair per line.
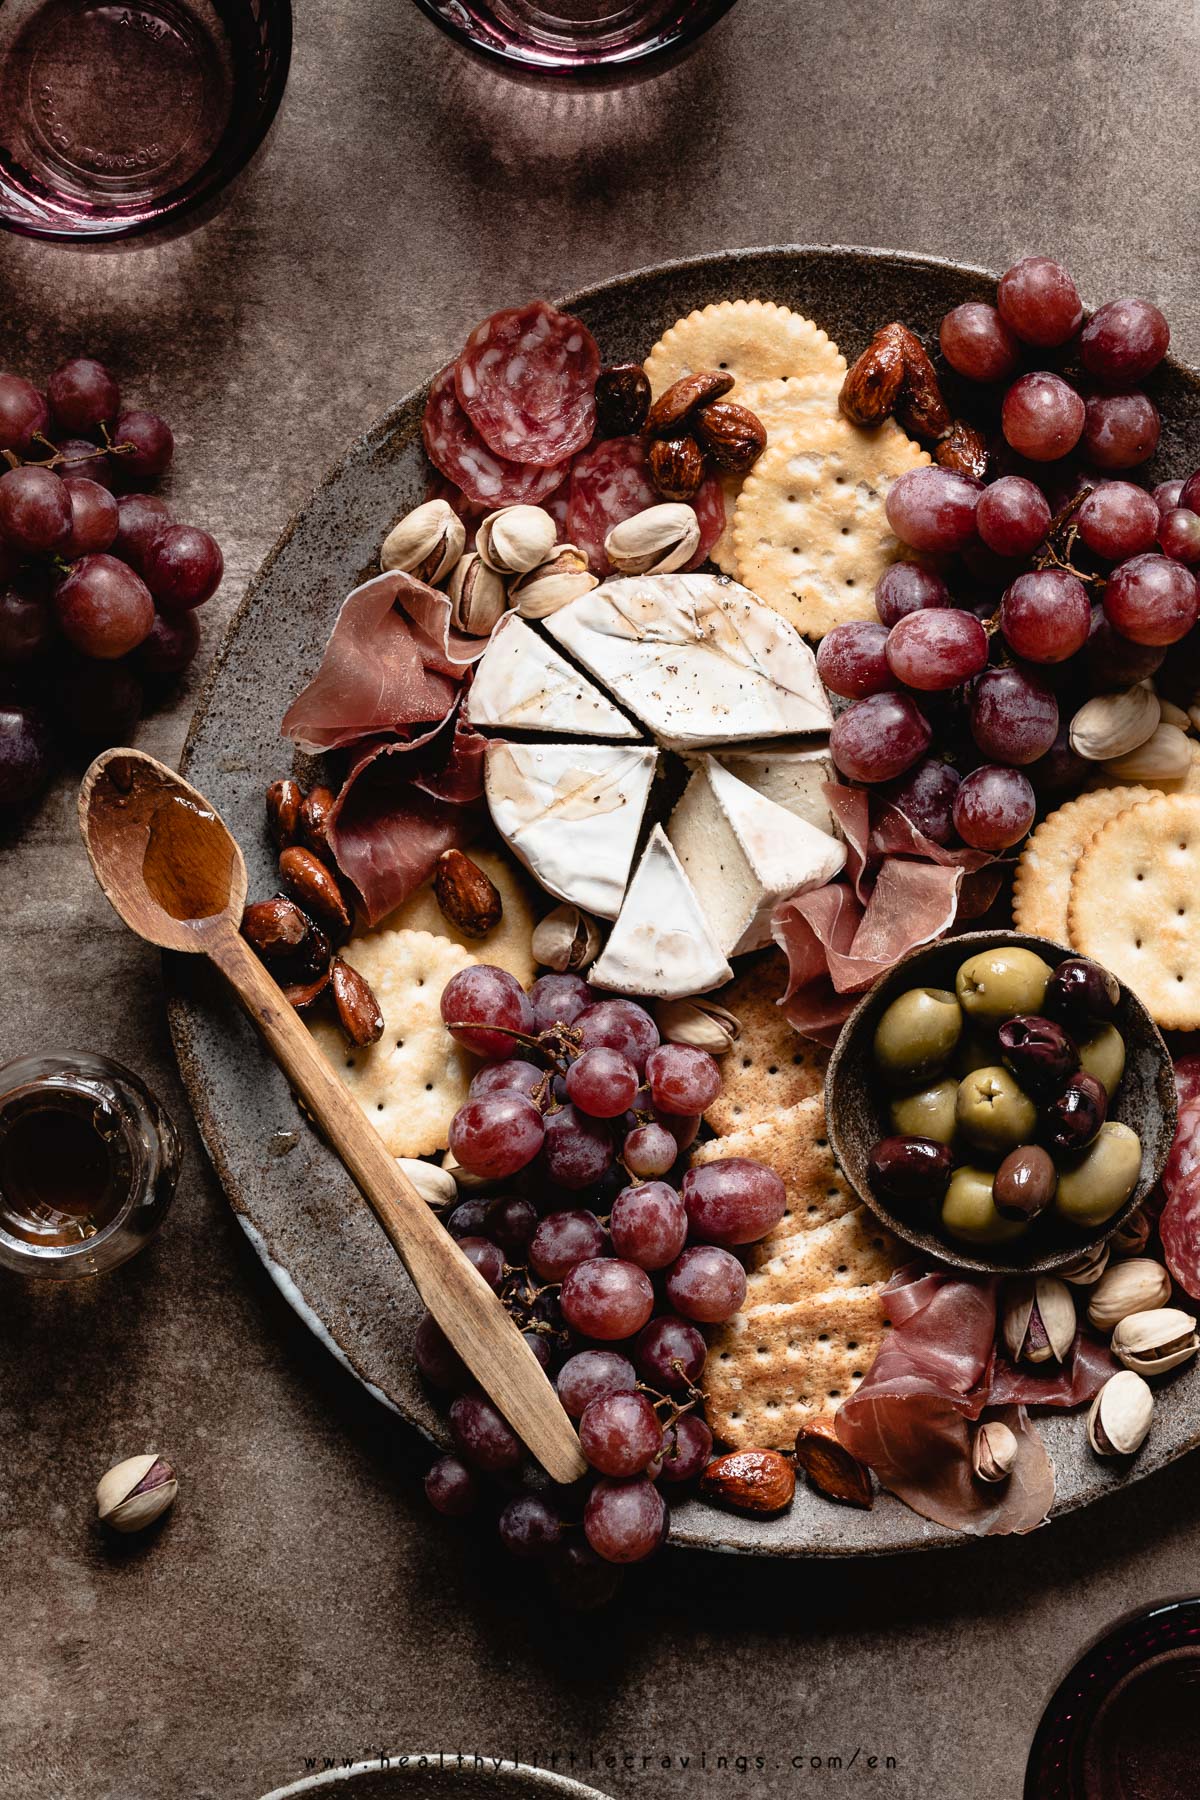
x,y
698,659
572,813
743,854
522,682
791,778
661,943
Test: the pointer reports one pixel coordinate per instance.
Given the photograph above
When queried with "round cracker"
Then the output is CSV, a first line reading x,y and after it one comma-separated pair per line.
x,y
810,530
778,404
1042,885
755,340
508,944
1135,905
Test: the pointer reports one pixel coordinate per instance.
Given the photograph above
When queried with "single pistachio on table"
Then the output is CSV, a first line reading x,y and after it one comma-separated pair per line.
x,y
1152,1342
1163,757
1131,1236
1120,1415
516,539
426,543
1137,1285
655,542
700,1024
994,1451
563,577
1039,1319
1174,715
467,896
477,596
1087,1268
1112,725
135,1492
436,1186
566,940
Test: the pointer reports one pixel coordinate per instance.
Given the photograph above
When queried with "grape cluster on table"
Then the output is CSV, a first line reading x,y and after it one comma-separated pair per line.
x,y
98,583
610,1268
1060,578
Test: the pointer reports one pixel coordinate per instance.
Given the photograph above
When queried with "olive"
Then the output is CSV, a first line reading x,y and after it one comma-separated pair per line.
x,y
909,1168
996,984
977,1049
1081,991
1039,1053
1025,1183
969,1210
1103,1055
929,1113
916,1034
1072,1121
992,1112
1102,1179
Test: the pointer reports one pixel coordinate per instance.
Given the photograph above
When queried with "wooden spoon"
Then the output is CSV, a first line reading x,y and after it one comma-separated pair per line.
x,y
173,872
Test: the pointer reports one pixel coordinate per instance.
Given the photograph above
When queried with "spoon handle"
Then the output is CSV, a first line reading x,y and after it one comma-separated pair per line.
x,y
470,1314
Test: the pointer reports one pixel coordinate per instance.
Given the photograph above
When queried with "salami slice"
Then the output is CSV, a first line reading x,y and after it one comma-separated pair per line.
x,y
527,381
1179,1222
453,445
612,482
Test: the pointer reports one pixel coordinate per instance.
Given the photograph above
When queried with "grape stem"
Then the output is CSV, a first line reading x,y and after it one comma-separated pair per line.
x,y
1057,547
57,459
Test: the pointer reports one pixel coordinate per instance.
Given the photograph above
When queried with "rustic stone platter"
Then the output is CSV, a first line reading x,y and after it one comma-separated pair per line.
x,y
315,1235
433,1775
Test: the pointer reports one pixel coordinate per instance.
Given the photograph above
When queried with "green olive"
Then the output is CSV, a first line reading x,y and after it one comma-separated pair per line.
x,y
977,1049
928,1113
969,1212
1103,1055
998,984
916,1035
992,1112
1102,1179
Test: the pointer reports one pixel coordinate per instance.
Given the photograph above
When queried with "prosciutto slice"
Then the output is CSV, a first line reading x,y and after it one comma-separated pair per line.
x,y
1179,1221
1074,1382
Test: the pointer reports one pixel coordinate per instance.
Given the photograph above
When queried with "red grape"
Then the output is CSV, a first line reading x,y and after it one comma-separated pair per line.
x,y
559,999
933,509
648,1223
592,1374
563,1239
1013,516
436,1357
1045,615
1042,417
976,341
94,516
851,659
1117,520
940,647
1061,771
906,587
25,754
104,609
143,443
86,460
485,1256
171,645
482,1006
1014,717
1151,600
35,510
993,808
1114,661
529,1527
602,1082
649,1150
497,1135
484,1436
1038,300
880,737
511,1221
682,1080
621,1025
687,1448
467,1219
182,566
23,413
606,1298
1121,430
1169,494
82,395
926,796
707,1284
451,1488
620,1434
734,1201
623,1521
1123,341
670,1354
26,625
512,1076
142,517
100,702
578,1150
1179,535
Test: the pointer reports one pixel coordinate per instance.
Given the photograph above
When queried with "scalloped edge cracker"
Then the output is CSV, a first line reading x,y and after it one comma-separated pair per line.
x,y
1042,884
755,340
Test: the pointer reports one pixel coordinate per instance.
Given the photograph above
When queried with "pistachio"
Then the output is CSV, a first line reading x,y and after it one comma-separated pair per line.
x,y
436,1186
1152,1342
1137,1285
477,596
516,539
994,1451
426,543
1163,757
135,1492
1132,1236
699,1023
654,542
1120,1415
1114,724
563,577
467,1182
566,940
1174,715
1039,1320
1086,1268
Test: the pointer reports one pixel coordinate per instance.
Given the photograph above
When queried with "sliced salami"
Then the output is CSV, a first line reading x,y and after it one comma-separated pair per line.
x,y
527,381
453,445
612,482
1179,1221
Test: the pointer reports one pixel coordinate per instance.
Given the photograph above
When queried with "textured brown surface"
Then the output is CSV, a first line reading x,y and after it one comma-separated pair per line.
x,y
299,1600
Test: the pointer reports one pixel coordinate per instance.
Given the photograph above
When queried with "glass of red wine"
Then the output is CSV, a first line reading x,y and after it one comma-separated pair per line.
x,y
118,118
578,38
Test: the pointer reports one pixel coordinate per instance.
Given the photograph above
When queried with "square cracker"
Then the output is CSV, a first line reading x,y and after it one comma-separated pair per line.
x,y
411,1083
777,404
1042,885
771,1066
849,1254
1135,905
508,944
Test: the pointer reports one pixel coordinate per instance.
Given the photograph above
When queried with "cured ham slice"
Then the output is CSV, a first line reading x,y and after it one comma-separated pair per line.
x,y
526,379
453,446
1179,1221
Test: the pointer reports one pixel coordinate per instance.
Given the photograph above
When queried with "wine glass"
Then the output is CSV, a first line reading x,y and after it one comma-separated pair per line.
x,y
588,38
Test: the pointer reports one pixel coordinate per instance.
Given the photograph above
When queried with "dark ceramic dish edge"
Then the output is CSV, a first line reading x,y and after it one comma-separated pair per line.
x,y
851,1079
613,69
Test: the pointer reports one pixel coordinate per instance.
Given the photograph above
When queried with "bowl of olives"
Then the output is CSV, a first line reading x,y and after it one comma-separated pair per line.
x,y
1000,1103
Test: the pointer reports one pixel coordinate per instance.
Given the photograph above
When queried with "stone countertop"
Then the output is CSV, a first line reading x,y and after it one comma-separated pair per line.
x,y
301,1601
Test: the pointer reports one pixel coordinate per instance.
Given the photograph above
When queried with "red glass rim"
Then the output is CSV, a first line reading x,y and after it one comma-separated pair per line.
x,y
577,64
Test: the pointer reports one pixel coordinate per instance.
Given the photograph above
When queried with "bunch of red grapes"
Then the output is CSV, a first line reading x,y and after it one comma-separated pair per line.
x,y
579,1097
98,583
1068,579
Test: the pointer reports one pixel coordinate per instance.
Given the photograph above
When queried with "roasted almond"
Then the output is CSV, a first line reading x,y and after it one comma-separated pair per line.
x,y
831,1468
310,883
469,898
284,800
963,449
872,384
358,1010
920,407
683,397
303,995
676,467
734,437
275,928
313,819
759,1482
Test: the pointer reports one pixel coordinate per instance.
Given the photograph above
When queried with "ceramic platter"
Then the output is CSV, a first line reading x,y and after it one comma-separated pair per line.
x,y
315,1235
435,1775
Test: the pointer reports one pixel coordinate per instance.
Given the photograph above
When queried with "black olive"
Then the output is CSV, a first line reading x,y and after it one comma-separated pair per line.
x,y
1039,1053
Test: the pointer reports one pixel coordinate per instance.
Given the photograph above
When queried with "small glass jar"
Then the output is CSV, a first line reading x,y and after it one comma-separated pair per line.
x,y
88,1164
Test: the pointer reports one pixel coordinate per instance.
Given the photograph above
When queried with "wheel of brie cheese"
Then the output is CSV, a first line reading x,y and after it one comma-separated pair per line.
x,y
692,664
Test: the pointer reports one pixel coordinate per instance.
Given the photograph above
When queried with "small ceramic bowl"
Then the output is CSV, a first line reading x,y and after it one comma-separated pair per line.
x,y
855,1104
